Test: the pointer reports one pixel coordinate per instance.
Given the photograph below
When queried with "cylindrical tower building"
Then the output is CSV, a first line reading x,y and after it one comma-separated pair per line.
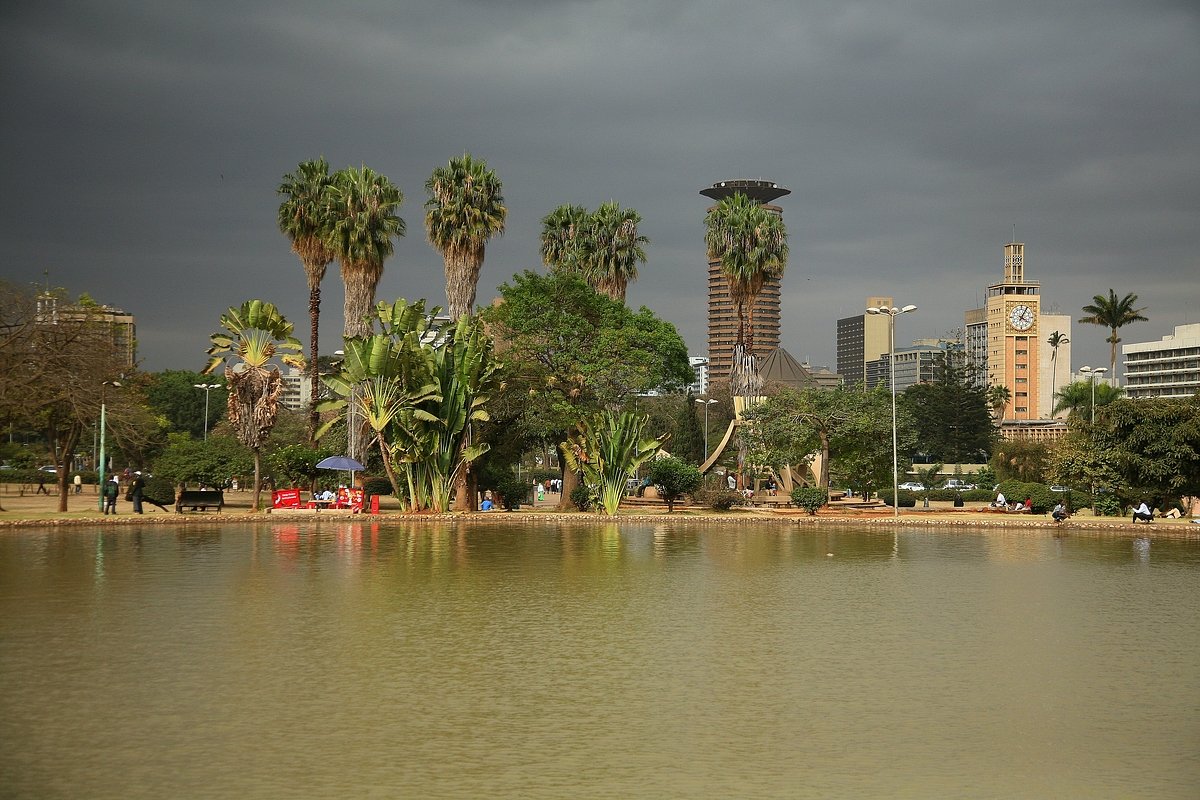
x,y
722,315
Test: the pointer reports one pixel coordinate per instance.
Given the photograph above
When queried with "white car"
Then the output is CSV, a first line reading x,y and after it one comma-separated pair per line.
x,y
955,483
913,486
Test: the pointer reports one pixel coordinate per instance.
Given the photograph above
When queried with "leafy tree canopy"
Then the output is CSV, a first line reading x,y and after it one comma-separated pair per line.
x,y
570,351
211,463
950,415
172,395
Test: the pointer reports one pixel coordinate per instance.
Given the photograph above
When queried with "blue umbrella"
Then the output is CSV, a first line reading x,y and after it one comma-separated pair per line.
x,y
340,462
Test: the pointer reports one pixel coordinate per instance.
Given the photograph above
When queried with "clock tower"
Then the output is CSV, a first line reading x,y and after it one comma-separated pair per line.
x,y
1013,312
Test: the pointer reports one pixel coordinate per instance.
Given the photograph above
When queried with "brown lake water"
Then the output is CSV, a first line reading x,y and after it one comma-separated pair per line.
x,y
683,660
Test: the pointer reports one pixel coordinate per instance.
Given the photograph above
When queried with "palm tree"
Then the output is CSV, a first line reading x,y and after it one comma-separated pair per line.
x,y
998,398
464,210
1113,313
607,449
304,218
750,243
362,223
1076,398
253,333
563,233
615,249
1055,341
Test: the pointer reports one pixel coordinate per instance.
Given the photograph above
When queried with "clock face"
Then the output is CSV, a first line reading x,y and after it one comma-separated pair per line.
x,y
1021,317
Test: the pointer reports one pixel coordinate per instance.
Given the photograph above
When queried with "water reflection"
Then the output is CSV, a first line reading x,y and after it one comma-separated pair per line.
x,y
599,660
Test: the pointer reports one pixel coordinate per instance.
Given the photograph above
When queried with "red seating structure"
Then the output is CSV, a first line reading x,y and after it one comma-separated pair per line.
x,y
349,498
285,498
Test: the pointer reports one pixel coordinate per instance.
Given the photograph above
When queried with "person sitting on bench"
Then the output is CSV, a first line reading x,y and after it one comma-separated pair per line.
x,y
1143,513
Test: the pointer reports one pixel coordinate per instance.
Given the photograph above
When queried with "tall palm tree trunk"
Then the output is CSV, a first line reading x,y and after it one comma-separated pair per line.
x,y
314,316
462,278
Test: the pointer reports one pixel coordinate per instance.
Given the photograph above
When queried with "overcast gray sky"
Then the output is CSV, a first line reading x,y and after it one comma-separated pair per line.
x,y
144,141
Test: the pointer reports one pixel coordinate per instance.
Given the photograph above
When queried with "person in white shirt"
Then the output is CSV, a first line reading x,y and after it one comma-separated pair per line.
x,y
1000,502
1143,513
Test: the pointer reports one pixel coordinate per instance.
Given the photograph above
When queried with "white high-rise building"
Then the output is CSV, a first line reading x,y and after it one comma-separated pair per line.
x,y
1169,367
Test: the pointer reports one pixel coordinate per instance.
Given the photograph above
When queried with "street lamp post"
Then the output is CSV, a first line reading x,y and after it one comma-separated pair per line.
x,y
103,458
706,404
207,387
1092,373
891,314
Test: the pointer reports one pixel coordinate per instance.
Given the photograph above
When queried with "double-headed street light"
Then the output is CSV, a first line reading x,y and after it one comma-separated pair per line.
x,y
706,404
1092,373
207,387
891,314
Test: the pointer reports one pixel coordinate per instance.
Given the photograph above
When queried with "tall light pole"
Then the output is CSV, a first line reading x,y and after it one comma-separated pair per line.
x,y
1092,373
103,458
892,313
706,404
207,387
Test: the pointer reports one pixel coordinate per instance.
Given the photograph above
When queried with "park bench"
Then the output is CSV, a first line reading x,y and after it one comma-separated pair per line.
x,y
199,499
769,501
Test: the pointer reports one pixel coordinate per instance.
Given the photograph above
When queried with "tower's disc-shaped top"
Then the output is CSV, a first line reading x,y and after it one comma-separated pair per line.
x,y
762,191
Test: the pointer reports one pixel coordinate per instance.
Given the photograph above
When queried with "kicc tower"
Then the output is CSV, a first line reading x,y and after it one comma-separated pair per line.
x,y
722,314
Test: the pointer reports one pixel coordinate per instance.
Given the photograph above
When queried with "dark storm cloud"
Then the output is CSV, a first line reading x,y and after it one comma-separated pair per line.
x,y
144,142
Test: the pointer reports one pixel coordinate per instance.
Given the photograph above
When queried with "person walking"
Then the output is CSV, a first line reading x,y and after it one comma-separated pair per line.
x,y
111,490
136,490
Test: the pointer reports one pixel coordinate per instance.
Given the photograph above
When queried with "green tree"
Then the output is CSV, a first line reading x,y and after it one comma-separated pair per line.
x,y
1056,340
950,415
1020,460
564,231
252,334
606,450
58,364
1113,313
465,209
615,250
850,430
304,218
296,464
1076,398
674,478
362,224
212,463
1155,444
998,398
569,352
384,379
173,396
750,243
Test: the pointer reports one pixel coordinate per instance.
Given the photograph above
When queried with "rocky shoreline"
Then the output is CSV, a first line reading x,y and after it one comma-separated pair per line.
x,y
1175,529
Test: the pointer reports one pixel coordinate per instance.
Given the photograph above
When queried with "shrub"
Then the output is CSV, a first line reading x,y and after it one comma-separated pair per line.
x,y
512,491
810,498
377,486
674,478
159,492
582,497
907,499
1107,505
719,499
976,495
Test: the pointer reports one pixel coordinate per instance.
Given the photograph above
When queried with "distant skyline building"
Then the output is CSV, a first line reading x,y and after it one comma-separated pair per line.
x,y
1169,367
112,323
699,384
861,340
722,314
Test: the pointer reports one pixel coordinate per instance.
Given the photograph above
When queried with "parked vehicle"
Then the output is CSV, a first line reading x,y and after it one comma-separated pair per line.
x,y
913,486
53,470
958,485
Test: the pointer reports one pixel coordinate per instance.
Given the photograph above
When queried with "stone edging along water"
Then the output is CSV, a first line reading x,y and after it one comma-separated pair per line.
x,y
1172,531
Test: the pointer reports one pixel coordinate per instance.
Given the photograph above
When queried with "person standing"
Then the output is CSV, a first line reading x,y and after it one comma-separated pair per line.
x,y
136,490
78,481
111,490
